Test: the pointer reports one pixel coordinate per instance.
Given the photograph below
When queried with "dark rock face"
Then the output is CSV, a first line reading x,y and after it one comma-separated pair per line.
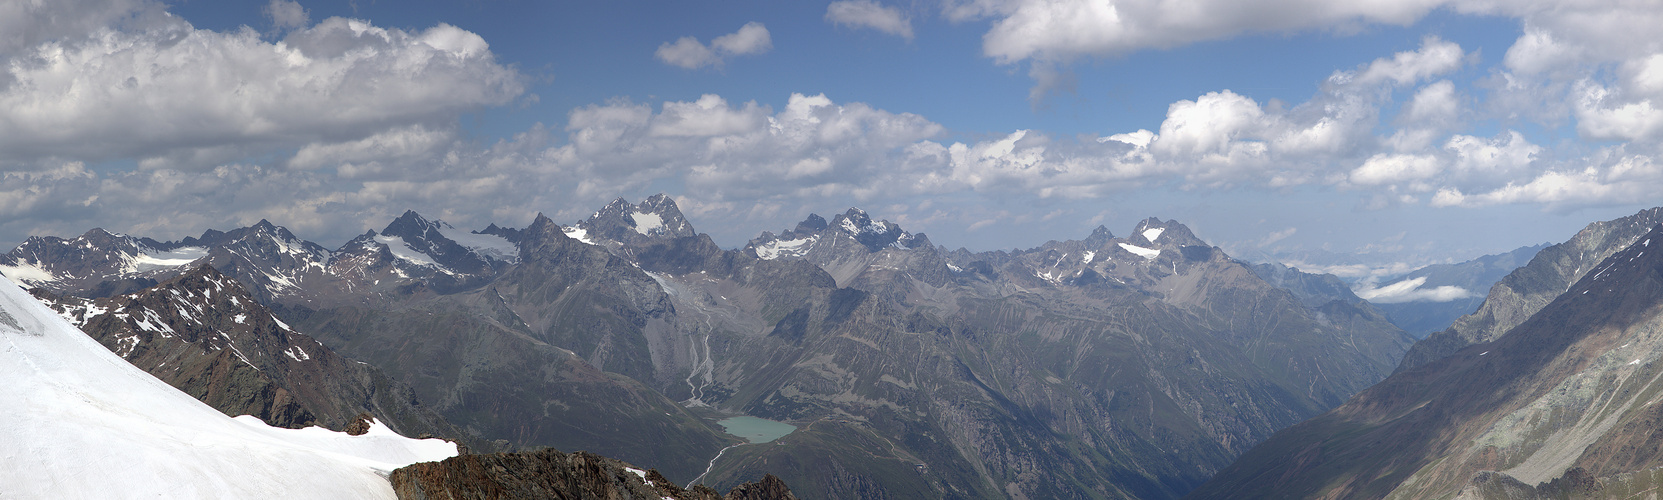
x,y
552,474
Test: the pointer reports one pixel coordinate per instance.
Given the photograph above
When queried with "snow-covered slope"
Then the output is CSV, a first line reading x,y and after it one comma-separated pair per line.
x,y
82,423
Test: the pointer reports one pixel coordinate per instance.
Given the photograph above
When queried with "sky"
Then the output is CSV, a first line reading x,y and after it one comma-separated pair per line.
x,y
1360,138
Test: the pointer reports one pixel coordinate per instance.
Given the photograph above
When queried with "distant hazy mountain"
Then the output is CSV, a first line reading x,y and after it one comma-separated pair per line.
x,y
1108,366
1431,298
1563,405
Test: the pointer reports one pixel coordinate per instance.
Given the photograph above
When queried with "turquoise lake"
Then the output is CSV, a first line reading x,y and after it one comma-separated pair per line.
x,y
755,430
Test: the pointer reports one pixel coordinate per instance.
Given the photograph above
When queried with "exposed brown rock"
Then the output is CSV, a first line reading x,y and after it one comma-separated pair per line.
x,y
551,474
359,425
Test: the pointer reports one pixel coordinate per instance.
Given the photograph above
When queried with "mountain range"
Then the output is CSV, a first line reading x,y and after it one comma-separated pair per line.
x,y
1108,366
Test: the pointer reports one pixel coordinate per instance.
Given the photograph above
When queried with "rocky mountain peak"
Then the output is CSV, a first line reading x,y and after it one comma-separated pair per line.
x,y
507,233
265,226
1158,233
543,232
874,235
656,218
415,229
1099,237
813,224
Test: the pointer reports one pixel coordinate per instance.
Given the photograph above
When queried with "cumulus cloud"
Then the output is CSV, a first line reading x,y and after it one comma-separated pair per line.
x,y
1434,105
1505,153
1604,113
1062,30
23,25
1390,169
1435,57
688,52
175,93
287,15
1409,290
869,14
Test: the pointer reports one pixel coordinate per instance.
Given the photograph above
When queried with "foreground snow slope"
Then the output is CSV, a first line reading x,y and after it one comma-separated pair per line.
x,y
82,423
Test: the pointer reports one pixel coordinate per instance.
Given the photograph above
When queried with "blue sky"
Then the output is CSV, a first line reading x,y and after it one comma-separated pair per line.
x,y
1361,139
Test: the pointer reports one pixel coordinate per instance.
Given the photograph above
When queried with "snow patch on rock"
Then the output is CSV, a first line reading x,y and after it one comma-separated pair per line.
x,y
403,250
577,233
785,248
1147,253
647,222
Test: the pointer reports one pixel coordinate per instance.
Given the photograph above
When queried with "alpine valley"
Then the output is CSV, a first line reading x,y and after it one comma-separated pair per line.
x,y
877,364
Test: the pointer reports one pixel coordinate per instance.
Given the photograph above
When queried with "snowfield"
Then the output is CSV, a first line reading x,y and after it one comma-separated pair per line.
x,y
83,423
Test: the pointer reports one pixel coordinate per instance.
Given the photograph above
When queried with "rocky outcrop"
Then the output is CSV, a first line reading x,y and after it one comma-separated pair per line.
x,y
551,474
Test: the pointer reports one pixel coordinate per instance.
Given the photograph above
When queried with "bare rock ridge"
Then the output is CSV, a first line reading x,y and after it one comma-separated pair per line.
x,y
551,474
1527,289
1561,405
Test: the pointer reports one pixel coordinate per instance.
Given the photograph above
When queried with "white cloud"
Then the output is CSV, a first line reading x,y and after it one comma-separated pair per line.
x,y
709,116
176,92
1409,291
1435,57
869,14
1435,104
1537,51
287,14
25,24
1209,126
1602,113
1610,177
688,52
1645,75
1396,168
752,38
1506,153
1062,30
367,155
